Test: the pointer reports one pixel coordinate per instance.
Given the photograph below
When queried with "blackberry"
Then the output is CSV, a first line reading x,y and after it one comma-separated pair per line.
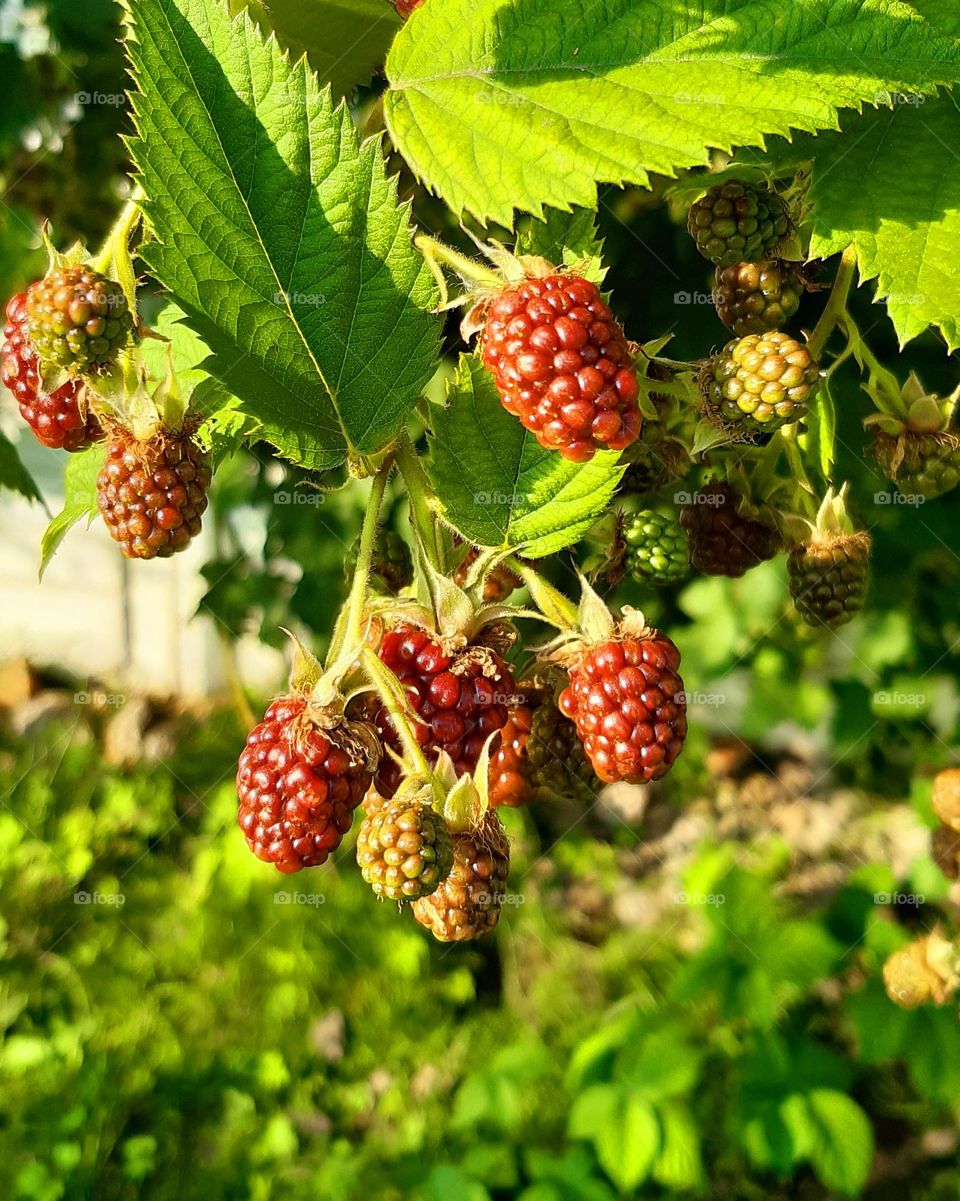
x,y
404,849
828,578
467,904
557,763
152,494
60,419
562,365
657,548
754,298
722,540
759,383
78,319
926,465
738,222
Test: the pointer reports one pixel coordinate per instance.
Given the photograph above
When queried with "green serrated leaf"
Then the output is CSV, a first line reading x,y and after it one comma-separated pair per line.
x,y
515,106
498,486
679,1164
278,234
13,475
344,42
566,239
629,1142
80,499
889,184
842,1149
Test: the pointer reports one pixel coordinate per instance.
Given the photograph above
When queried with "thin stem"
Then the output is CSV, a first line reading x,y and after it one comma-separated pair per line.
x,y
419,494
350,633
836,310
795,463
394,699
120,230
437,252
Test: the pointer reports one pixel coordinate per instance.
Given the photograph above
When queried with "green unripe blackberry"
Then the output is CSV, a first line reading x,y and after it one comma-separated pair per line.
x,y
738,222
391,564
657,548
78,319
926,465
759,382
752,298
404,850
828,578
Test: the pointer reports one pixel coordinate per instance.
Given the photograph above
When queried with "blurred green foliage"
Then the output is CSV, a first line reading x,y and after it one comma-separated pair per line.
x,y
181,1021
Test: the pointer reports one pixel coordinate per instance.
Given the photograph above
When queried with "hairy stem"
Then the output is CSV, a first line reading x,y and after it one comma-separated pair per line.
x,y
350,632
419,495
390,691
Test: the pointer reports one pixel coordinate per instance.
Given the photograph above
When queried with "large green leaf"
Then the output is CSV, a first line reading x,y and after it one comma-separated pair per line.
x,y
499,487
890,184
345,41
843,1141
278,234
504,104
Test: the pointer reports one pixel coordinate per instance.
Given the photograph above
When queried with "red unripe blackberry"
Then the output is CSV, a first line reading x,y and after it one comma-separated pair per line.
x,y
78,319
562,365
509,772
298,785
58,419
722,540
467,904
460,697
627,701
152,494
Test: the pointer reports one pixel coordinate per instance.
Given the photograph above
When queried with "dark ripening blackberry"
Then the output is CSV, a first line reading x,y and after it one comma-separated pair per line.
x,y
759,382
557,763
152,494
738,222
467,905
754,298
58,419
627,702
391,564
298,785
78,319
828,578
460,699
562,365
404,850
722,540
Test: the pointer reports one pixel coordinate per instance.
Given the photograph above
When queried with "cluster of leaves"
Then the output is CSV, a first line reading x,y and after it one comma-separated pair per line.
x,y
166,1004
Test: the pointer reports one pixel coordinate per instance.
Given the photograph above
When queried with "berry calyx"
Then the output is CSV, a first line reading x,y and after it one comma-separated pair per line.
x,y
459,694
759,382
152,493
626,699
498,583
722,540
738,222
828,578
657,548
754,298
562,364
466,906
59,419
301,775
78,319
404,849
